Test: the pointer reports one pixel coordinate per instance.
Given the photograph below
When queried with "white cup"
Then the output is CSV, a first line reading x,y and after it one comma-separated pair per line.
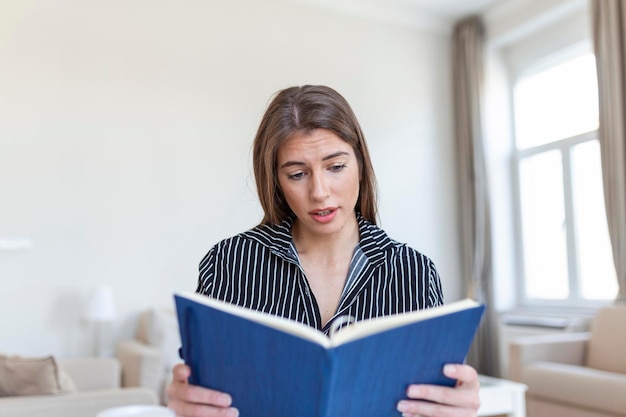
x,y
137,411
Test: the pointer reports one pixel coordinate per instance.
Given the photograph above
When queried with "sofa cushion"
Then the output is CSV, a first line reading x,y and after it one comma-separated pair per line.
x,y
80,404
33,376
608,340
576,386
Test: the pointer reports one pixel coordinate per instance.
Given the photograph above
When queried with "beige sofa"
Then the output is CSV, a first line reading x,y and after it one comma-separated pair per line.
x,y
147,359
94,386
575,374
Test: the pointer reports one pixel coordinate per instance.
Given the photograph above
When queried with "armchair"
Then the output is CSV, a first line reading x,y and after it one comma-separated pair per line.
x,y
575,374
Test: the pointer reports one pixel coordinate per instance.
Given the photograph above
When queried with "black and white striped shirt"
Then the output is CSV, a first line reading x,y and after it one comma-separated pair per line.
x,y
259,269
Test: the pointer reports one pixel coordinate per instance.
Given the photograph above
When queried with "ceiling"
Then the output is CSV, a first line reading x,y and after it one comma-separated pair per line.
x,y
437,15
452,9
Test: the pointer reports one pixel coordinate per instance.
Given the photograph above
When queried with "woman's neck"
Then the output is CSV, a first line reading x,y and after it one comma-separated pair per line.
x,y
328,246
325,260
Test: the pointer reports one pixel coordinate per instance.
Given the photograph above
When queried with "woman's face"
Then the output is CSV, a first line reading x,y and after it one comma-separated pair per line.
x,y
319,176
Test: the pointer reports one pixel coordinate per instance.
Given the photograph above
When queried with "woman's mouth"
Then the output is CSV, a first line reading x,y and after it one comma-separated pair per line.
x,y
324,215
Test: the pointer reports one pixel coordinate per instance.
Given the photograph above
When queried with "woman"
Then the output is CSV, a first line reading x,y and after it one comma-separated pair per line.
x,y
318,254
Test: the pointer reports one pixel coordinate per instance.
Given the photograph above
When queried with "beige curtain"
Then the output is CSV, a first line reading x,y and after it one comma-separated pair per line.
x,y
609,33
468,43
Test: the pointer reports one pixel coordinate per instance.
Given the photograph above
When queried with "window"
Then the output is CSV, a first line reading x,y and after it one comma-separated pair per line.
x,y
564,253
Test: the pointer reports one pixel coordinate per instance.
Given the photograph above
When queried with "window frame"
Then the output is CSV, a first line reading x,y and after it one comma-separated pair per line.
x,y
564,147
528,67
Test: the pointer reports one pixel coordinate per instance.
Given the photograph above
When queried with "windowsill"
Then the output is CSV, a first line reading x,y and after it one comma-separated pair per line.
x,y
546,321
549,317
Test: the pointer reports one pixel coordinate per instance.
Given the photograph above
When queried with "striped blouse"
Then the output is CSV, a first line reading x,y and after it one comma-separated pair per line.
x,y
259,269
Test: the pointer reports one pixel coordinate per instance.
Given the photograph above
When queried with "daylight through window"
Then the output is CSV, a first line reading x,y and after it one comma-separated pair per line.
x,y
565,252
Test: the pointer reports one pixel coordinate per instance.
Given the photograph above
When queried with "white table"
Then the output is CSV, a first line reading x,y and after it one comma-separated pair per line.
x,y
499,396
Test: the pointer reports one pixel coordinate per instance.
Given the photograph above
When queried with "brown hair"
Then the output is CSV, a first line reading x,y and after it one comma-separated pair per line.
x,y
302,110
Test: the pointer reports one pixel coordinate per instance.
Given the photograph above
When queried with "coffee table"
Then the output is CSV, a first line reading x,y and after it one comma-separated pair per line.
x,y
499,396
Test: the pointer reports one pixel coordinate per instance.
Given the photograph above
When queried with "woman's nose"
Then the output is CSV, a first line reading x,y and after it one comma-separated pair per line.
x,y
319,187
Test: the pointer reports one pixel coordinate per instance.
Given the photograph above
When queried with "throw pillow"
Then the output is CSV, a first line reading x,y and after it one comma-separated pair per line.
x,y
33,376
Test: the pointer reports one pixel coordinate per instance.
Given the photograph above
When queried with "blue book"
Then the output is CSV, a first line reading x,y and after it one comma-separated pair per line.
x,y
276,367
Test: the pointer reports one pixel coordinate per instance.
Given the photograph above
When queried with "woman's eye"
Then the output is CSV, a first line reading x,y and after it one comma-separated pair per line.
x,y
337,167
296,176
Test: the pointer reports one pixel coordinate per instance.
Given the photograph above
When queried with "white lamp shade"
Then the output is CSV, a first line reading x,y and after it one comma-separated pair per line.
x,y
100,306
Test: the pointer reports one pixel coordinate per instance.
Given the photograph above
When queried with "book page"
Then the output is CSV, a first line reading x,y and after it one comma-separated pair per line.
x,y
368,327
288,326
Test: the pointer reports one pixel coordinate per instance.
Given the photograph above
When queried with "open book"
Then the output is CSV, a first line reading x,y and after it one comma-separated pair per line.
x,y
277,367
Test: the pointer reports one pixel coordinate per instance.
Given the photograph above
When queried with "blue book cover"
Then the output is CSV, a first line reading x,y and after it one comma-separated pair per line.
x,y
276,367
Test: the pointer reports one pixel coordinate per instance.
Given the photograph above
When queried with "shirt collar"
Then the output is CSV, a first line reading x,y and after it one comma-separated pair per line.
x,y
277,237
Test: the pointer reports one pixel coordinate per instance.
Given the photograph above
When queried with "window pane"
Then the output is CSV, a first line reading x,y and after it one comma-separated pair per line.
x,y
543,226
557,103
595,263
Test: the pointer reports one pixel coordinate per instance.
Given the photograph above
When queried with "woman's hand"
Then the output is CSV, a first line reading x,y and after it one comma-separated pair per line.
x,y
194,401
433,400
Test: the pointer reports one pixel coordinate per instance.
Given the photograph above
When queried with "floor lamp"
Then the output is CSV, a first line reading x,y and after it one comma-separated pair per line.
x,y
100,310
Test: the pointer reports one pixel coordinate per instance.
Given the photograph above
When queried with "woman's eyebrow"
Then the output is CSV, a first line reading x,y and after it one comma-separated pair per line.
x,y
334,155
291,163
326,158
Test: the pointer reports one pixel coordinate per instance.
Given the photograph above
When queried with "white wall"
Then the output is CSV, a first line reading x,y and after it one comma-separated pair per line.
x,y
125,135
